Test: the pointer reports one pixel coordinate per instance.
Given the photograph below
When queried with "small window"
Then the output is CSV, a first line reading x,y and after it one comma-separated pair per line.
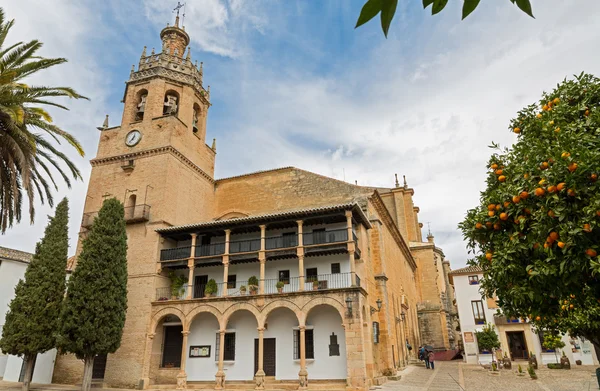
x,y
311,275
231,280
309,340
473,280
229,353
335,268
284,276
375,332
478,312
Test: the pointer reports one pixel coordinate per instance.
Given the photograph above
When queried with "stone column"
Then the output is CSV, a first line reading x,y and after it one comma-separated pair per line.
x,y
147,359
259,378
356,361
303,374
182,376
225,275
351,248
300,255
191,266
262,258
220,376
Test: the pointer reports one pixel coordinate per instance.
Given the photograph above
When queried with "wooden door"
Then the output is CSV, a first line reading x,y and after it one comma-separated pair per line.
x,y
268,356
172,346
99,367
199,286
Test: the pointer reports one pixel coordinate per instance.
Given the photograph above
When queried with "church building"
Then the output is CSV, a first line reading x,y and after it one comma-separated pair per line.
x,y
274,279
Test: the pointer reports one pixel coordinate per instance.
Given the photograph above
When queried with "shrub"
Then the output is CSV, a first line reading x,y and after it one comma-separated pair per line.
x,y
280,284
531,372
253,281
520,369
487,339
554,365
211,287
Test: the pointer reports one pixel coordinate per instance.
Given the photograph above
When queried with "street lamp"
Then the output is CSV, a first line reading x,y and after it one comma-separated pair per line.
x,y
379,303
349,305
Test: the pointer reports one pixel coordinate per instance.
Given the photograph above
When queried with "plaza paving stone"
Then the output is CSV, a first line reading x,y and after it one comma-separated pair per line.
x,y
455,376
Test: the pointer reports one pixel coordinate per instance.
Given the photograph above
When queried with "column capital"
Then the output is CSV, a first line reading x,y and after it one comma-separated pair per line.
x,y
300,222
185,333
262,227
348,213
194,235
227,231
222,332
261,329
151,335
302,328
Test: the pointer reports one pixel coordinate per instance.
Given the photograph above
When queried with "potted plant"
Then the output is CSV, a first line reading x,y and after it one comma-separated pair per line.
x,y
487,339
177,283
553,341
253,285
280,286
494,370
564,361
520,371
211,288
533,360
243,290
532,373
315,285
506,361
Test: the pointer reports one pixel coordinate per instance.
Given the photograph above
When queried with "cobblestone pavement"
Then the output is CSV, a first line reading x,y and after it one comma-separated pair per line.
x,y
454,376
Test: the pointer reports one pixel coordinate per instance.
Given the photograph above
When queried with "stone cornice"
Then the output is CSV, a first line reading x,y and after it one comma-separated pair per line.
x,y
387,219
152,152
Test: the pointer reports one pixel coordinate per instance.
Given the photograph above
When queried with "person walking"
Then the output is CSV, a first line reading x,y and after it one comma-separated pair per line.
x,y
430,360
423,353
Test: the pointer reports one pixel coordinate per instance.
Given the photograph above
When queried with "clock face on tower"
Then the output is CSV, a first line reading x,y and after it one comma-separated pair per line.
x,y
133,138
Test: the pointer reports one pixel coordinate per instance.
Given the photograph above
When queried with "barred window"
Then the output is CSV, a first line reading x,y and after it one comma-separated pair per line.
x,y
309,344
229,353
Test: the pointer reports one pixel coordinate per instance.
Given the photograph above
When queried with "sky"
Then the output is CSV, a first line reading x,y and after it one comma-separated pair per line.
x,y
294,84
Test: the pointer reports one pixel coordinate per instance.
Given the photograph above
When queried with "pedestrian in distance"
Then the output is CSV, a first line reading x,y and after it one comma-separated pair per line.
x,y
423,353
430,359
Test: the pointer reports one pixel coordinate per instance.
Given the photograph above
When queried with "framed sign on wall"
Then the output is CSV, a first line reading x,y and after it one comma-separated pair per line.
x,y
200,351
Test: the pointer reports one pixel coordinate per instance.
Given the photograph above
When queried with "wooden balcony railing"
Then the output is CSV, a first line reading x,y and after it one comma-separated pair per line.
x,y
133,214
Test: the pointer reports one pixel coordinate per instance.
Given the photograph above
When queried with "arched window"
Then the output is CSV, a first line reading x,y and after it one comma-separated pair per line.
x,y
141,97
171,103
196,116
130,207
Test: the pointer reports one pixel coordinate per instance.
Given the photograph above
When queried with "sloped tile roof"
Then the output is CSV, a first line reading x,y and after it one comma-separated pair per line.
x,y
466,270
15,255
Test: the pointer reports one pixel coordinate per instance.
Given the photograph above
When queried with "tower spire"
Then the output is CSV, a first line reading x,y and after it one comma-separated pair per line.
x,y
176,9
397,183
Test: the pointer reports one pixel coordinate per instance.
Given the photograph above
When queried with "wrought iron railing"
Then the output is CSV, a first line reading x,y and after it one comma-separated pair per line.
x,y
206,250
133,214
283,241
167,293
291,284
242,246
170,254
325,237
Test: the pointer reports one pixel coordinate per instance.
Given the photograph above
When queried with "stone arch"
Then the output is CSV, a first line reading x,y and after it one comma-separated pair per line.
x,y
204,308
317,301
140,104
196,114
162,313
266,310
232,214
171,102
239,307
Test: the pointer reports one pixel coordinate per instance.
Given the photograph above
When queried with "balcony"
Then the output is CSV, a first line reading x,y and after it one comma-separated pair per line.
x,y
240,288
133,214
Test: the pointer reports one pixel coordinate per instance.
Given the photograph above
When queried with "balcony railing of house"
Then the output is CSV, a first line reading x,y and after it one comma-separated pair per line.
x,y
207,250
356,249
325,237
133,214
169,254
241,288
244,246
284,241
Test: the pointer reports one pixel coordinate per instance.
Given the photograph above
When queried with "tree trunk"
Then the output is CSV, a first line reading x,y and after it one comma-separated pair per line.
x,y
88,365
29,365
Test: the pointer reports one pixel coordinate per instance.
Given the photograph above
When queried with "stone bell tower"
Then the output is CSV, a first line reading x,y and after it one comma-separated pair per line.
x,y
158,164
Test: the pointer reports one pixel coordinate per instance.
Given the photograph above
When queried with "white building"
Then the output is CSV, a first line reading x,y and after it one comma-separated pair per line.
x,y
13,264
517,336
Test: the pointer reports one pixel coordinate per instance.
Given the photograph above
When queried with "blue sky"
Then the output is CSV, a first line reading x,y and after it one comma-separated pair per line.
x,y
292,83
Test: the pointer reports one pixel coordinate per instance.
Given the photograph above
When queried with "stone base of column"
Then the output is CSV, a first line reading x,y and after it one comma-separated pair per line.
x,y
144,383
220,380
303,379
181,380
259,380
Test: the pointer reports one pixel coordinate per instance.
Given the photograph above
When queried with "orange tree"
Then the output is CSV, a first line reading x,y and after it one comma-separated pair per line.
x,y
536,232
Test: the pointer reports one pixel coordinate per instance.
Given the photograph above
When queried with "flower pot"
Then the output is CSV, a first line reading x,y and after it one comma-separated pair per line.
x,y
533,362
565,363
506,363
279,290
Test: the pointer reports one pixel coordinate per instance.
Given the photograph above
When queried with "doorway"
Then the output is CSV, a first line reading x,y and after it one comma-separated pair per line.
x,y
199,286
99,367
268,356
517,345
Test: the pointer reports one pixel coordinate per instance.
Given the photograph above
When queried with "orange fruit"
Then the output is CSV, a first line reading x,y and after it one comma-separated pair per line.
x,y
587,113
572,167
560,186
501,178
591,252
594,177
545,107
498,172
551,161
557,130
564,307
494,166
527,210
478,226
491,207
571,193
539,115
587,228
539,192
551,213
497,226
542,182
553,235
488,224
526,176
551,122
598,213
506,204
491,213
538,318
546,245
571,306
488,256
572,296
516,199
524,195
556,101
544,165
565,155
551,189
503,216
561,244
498,207
536,246
517,130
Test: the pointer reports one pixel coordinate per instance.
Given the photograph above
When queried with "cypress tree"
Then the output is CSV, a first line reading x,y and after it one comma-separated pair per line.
x,y
94,309
32,320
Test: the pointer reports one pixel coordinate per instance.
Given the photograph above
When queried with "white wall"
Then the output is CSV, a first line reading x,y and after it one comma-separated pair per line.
x,y
464,294
203,331
246,331
326,320
42,373
280,325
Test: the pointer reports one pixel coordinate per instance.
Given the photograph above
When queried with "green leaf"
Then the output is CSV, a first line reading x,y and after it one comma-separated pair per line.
x,y
368,12
388,9
468,7
427,3
525,6
438,6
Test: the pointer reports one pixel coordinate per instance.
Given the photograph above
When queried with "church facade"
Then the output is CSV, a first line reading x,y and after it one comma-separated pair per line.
x,y
274,277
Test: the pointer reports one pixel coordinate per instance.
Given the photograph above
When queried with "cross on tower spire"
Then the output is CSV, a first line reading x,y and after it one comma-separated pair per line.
x,y
176,9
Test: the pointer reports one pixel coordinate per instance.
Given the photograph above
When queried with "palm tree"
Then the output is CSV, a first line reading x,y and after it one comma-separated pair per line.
x,y
26,157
